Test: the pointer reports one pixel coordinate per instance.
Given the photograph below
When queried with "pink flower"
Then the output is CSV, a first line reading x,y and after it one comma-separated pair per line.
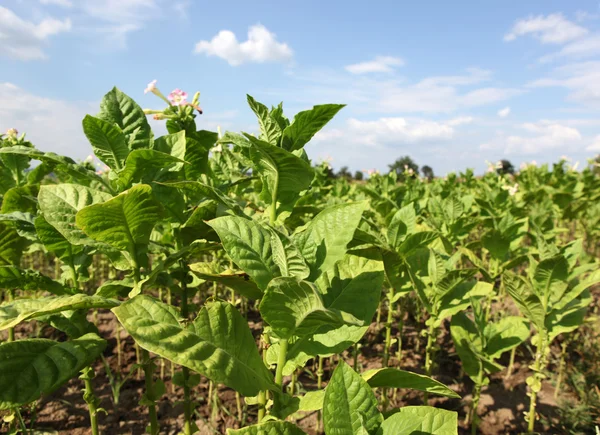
x,y
178,97
151,87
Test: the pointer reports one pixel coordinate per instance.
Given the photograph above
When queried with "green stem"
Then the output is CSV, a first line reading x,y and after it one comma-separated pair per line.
x,y
187,401
476,396
148,378
21,421
283,346
511,363
388,345
400,330
561,368
319,384
90,398
11,330
539,357
428,356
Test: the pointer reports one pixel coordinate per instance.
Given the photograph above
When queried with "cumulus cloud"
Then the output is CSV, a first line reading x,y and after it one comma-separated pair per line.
x,y
261,46
537,138
503,113
549,29
50,124
582,79
25,40
381,64
595,146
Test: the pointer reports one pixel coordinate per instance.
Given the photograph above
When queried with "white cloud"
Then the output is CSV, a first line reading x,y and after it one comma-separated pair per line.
x,y
579,49
50,124
581,79
381,64
25,40
539,137
595,146
63,3
550,29
261,46
503,113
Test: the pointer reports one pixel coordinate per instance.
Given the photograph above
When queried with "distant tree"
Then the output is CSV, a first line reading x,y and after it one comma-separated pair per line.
x,y
403,164
344,173
505,167
358,175
427,172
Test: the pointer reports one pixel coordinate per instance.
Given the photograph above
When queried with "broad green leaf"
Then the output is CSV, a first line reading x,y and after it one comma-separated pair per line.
x,y
394,378
422,420
349,403
306,124
195,188
324,240
550,279
468,343
72,323
249,246
270,130
12,277
354,287
20,310
174,145
218,344
123,222
64,164
403,223
527,301
572,293
312,401
32,367
146,166
570,317
496,243
268,428
108,141
238,281
60,203
196,155
283,174
12,245
416,241
294,307
22,198
287,256
505,334
120,109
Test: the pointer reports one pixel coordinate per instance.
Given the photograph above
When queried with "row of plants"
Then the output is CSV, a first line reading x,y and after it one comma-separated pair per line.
x,y
252,226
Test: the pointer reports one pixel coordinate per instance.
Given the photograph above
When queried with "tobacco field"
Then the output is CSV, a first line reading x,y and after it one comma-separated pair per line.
x,y
228,284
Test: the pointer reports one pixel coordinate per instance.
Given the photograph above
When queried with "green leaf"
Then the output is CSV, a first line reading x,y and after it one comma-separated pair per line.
x,y
196,155
12,245
218,344
422,420
60,203
108,141
574,292
324,240
287,256
505,334
416,241
238,281
120,109
268,428
147,166
312,401
568,318
295,308
283,174
195,188
12,277
527,301
550,279
496,243
349,403
270,130
32,367
64,164
249,246
20,310
467,342
21,199
174,145
394,378
123,222
306,124
403,223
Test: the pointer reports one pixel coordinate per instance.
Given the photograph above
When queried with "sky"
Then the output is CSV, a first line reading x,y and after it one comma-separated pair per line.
x,y
451,84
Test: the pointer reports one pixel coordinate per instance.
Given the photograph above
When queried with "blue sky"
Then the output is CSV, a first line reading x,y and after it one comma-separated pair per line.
x,y
451,84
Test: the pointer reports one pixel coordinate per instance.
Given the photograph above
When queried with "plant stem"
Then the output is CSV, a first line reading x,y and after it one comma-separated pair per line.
x,y
539,357
262,395
428,356
187,401
561,368
476,396
148,378
90,398
21,422
11,330
388,345
319,384
511,363
400,329
283,346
